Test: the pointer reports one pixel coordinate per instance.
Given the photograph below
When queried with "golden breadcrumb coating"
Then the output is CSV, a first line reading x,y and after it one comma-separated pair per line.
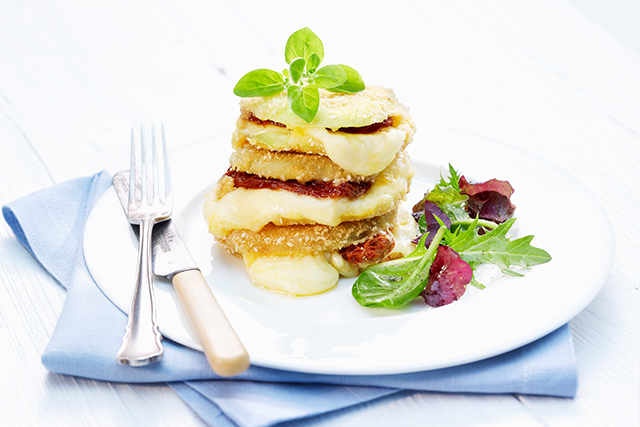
x,y
299,240
372,105
288,165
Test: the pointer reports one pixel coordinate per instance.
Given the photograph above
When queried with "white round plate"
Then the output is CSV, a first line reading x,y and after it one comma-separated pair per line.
x,y
330,333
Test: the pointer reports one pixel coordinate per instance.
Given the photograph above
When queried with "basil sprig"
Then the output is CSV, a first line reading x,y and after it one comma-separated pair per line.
x,y
303,78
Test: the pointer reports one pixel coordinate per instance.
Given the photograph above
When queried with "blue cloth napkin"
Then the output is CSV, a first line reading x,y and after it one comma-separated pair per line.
x,y
50,224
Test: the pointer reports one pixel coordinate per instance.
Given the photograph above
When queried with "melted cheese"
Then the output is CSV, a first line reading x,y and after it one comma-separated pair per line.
x,y
359,154
293,276
404,232
364,154
344,268
252,209
264,136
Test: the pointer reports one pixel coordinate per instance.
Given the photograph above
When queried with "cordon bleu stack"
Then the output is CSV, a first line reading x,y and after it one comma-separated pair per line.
x,y
304,203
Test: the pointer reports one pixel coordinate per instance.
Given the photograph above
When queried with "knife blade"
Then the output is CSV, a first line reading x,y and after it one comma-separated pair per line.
x,y
171,259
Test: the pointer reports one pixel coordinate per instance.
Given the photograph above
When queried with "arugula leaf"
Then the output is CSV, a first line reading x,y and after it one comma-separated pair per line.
x,y
468,221
304,52
476,284
302,44
496,248
395,283
261,82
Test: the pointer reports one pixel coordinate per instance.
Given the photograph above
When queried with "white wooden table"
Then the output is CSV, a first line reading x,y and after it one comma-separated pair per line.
x,y
561,79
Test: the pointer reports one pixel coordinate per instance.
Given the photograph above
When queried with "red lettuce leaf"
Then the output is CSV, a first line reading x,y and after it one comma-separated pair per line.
x,y
430,211
449,276
490,200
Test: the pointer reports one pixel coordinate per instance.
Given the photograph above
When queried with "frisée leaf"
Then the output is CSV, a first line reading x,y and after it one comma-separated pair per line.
x,y
496,248
446,194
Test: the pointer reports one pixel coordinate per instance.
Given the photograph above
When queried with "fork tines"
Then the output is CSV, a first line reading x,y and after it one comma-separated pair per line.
x,y
157,190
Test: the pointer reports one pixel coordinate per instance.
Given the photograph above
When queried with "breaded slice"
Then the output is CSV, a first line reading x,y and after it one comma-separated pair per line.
x,y
289,165
228,208
337,110
298,240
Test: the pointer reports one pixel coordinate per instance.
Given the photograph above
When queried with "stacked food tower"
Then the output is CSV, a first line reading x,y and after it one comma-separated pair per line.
x,y
306,202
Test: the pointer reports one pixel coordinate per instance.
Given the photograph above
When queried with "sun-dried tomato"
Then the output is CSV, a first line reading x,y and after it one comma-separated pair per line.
x,y
365,130
315,188
373,128
252,118
370,251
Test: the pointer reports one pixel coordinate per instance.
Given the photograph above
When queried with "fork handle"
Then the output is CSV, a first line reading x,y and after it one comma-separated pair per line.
x,y
142,342
224,351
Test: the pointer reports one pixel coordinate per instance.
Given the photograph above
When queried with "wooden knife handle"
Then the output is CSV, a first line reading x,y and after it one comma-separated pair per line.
x,y
224,350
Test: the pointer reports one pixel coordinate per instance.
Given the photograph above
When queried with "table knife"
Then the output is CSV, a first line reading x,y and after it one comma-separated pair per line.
x,y
171,259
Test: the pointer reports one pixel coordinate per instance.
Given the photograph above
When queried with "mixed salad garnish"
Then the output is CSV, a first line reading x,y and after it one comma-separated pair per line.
x,y
462,225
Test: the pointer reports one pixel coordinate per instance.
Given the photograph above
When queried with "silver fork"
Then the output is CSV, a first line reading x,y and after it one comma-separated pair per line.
x,y
142,342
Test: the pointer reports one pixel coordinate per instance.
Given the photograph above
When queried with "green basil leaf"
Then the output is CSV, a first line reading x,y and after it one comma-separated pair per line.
x,y
260,82
302,44
304,101
313,63
353,84
296,68
329,76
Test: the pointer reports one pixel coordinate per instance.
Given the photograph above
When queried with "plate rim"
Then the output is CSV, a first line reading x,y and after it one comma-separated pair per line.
x,y
309,366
